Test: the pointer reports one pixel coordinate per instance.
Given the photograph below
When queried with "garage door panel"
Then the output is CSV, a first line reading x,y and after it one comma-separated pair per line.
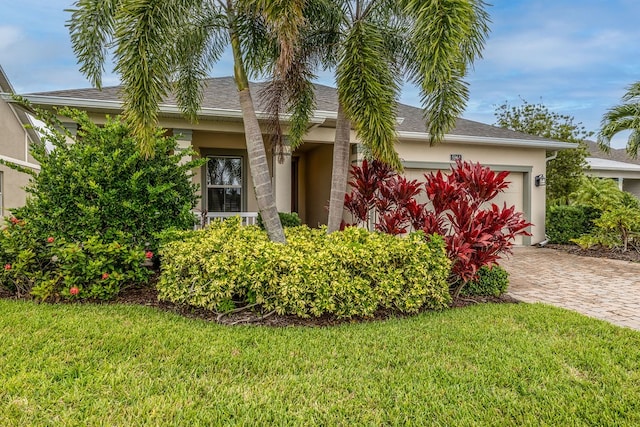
x,y
512,196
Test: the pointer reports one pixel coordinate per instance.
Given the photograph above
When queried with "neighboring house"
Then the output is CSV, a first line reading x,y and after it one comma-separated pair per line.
x,y
14,147
302,180
616,165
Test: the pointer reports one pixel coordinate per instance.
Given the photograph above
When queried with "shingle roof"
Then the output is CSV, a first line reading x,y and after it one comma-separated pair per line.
x,y
616,154
606,164
220,93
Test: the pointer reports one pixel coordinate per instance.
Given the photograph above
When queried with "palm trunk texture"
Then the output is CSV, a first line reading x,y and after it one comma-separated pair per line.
x,y
339,172
258,165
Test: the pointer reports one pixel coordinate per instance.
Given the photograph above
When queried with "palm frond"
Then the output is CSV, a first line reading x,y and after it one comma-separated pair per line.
x,y
618,119
633,144
91,28
292,92
447,35
144,56
443,101
259,47
633,92
368,90
285,18
199,44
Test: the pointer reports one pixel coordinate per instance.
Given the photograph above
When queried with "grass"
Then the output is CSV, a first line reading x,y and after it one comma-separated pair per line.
x,y
484,365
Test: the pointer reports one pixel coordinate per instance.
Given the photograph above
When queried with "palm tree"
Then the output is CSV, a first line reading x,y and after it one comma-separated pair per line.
x,y
169,45
373,45
623,117
598,193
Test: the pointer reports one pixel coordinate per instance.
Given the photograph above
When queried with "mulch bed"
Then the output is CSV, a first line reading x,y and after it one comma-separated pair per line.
x,y
598,252
148,296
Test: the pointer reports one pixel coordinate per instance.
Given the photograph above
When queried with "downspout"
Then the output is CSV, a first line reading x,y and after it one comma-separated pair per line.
x,y
547,160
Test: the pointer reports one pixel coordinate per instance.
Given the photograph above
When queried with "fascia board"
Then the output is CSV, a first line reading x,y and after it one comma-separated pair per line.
x,y
116,106
491,141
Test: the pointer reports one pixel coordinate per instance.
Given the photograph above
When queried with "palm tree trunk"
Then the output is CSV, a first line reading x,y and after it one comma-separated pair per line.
x,y
258,165
339,172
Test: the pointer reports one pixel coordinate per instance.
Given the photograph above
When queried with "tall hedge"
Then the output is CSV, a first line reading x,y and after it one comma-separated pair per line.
x,y
102,184
93,210
568,222
350,273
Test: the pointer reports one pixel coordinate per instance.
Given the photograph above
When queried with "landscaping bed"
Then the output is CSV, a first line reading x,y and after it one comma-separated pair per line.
x,y
598,252
148,297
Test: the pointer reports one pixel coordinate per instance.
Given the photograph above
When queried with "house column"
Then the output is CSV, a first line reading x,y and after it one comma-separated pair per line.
x,y
356,154
71,128
621,183
183,140
282,179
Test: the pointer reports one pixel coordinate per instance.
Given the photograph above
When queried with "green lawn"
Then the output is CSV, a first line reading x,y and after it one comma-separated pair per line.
x,y
483,365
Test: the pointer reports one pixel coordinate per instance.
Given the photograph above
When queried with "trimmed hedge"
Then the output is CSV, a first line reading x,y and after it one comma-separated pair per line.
x,y
350,273
288,219
565,223
491,281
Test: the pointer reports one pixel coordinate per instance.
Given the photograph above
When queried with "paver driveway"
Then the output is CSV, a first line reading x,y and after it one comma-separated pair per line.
x,y
601,288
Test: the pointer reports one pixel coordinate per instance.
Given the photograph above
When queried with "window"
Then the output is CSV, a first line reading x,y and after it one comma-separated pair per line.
x,y
224,184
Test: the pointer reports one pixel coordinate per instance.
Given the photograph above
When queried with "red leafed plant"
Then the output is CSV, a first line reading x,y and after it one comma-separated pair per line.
x,y
477,233
382,199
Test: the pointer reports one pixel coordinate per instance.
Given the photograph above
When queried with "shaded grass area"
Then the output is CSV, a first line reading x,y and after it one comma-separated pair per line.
x,y
503,364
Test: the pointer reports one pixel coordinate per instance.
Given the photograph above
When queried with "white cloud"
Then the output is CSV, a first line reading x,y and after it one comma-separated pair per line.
x,y
553,47
9,36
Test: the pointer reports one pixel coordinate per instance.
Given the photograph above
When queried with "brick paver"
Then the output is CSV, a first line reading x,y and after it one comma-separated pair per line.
x,y
602,288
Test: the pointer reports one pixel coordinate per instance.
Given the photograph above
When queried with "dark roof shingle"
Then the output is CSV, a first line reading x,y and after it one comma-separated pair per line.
x,y
220,93
617,154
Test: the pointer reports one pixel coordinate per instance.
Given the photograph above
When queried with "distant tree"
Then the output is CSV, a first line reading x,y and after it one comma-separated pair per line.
x,y
565,172
625,116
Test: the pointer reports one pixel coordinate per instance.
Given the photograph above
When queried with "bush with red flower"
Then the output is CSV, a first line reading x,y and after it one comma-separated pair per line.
x,y
95,206
477,232
50,269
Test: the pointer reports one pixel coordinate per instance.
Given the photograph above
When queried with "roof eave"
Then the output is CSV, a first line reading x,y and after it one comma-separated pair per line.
x,y
173,110
318,117
495,141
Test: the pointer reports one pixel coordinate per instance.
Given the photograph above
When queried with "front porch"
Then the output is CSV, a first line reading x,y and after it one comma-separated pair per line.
x,y
301,179
205,218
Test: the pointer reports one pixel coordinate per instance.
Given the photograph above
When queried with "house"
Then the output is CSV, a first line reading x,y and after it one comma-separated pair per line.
x,y
14,147
616,165
302,180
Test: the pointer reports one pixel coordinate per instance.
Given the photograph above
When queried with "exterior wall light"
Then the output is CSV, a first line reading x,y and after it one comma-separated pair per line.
x,y
540,180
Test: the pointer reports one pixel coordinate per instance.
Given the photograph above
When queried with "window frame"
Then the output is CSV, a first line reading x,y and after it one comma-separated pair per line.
x,y
213,153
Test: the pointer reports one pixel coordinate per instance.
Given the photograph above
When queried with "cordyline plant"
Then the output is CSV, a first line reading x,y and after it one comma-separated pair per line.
x,y
476,233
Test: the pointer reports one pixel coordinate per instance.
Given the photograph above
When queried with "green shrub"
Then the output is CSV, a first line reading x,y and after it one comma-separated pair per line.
x,y
565,223
101,185
93,211
287,219
349,273
616,228
490,281
53,268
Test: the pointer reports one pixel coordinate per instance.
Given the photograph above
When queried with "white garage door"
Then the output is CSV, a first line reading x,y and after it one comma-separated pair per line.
x,y
512,196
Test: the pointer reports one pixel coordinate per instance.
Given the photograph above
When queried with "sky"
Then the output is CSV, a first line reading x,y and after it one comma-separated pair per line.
x,y
576,57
